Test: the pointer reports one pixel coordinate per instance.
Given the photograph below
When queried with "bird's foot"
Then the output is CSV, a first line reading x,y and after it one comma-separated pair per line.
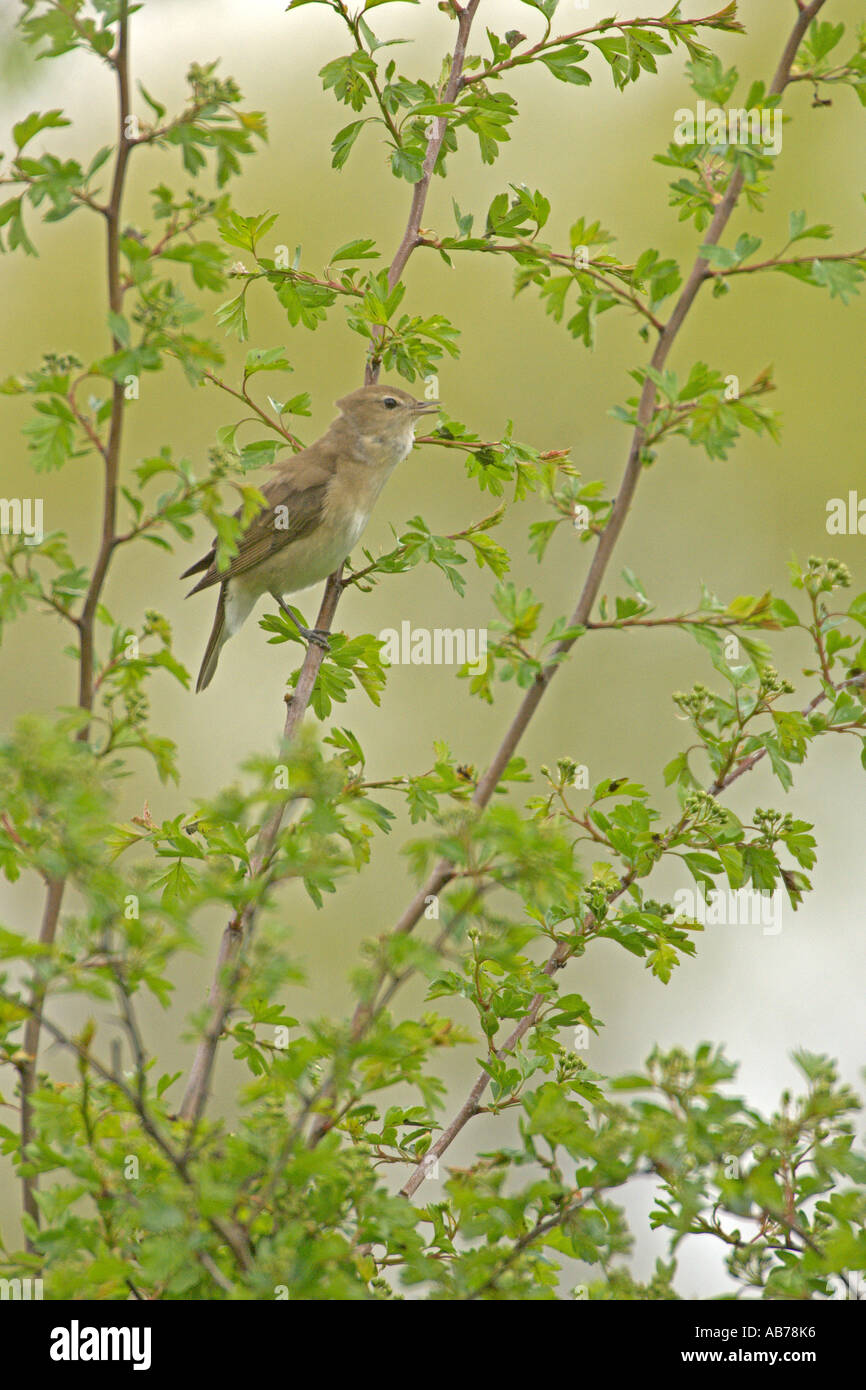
x,y
318,637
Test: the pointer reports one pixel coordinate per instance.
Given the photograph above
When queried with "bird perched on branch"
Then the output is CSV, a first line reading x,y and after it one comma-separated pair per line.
x,y
316,508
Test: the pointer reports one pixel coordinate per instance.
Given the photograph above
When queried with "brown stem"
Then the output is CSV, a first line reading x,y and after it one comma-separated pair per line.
x,y
720,620
412,234
303,277
85,423
233,1236
76,194
610,535
237,933
576,1202
790,260
85,622
236,936
528,54
443,872
470,1108
120,62
624,294
27,1071
257,410
355,31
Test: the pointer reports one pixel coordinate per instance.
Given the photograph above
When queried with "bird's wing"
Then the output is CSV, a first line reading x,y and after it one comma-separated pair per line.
x,y
301,488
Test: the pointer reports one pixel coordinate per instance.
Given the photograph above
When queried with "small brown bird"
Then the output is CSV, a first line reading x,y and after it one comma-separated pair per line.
x,y
317,507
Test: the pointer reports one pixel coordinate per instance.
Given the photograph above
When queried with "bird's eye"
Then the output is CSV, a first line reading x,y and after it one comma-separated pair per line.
x,y
389,402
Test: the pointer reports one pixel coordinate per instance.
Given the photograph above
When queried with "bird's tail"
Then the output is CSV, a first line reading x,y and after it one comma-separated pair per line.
x,y
218,637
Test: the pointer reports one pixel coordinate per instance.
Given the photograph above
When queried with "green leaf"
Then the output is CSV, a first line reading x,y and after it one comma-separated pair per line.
x,y
51,434
798,231
407,164
156,107
260,454
348,76
547,7
266,360
341,145
204,258
233,317
562,62
841,278
822,39
360,250
119,328
245,232
10,216
25,130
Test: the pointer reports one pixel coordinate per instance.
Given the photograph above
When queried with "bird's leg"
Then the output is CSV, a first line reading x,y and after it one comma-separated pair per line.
x,y
309,634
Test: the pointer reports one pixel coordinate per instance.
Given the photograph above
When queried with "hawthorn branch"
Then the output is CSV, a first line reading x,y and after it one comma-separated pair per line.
x,y
233,1236
561,953
263,415
175,228
470,446
783,261
745,764
623,293
79,195
719,20
575,1202
303,277
85,622
120,62
412,235
354,28
237,934
608,538
85,423
720,620
444,872
487,522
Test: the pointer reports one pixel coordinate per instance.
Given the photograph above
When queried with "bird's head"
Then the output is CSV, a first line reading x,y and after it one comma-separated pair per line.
x,y
384,413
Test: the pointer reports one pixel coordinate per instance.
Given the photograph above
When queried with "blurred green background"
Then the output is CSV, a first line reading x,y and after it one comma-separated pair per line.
x,y
732,525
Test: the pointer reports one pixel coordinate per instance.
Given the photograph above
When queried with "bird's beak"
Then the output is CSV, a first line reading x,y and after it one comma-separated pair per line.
x,y
426,407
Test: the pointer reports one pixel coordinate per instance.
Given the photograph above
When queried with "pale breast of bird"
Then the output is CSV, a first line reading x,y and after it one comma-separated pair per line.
x,y
311,558
346,511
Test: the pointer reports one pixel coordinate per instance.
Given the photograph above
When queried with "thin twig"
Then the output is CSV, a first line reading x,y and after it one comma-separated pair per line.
x,y
85,622
528,54
238,932
256,409
233,1236
783,261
